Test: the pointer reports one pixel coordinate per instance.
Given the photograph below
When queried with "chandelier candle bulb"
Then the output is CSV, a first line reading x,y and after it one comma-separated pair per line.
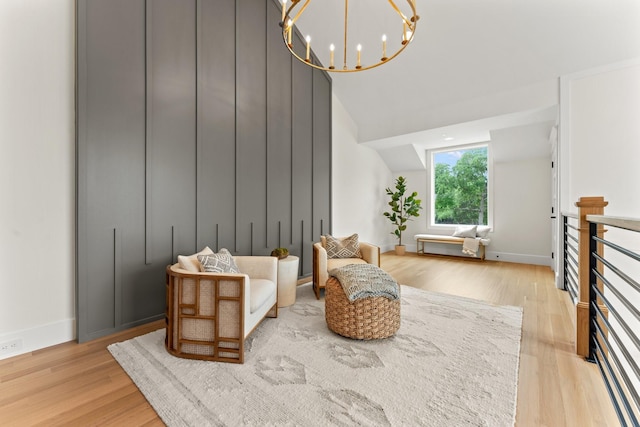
x,y
404,32
332,48
289,28
384,47
358,65
284,9
308,47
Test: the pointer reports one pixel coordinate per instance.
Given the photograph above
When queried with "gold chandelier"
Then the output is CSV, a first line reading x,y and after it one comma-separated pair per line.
x,y
403,21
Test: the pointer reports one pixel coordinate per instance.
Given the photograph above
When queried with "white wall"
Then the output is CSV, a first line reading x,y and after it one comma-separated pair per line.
x,y
37,151
600,148
522,201
522,194
600,141
605,138
360,177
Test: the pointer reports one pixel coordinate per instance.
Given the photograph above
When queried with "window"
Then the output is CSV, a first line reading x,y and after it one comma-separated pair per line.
x,y
460,186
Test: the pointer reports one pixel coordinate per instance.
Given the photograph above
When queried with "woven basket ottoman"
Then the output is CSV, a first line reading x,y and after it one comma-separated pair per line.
x,y
363,319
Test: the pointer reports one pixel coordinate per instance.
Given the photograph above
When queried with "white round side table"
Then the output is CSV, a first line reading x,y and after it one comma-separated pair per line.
x,y
287,280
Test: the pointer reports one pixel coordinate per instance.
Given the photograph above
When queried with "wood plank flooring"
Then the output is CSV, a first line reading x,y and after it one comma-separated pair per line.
x,y
81,384
555,386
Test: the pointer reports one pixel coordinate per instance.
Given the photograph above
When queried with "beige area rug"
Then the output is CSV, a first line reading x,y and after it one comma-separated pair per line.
x,y
454,362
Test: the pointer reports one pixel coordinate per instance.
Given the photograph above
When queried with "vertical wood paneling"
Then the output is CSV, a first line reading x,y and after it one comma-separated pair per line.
x,y
117,278
171,134
111,169
216,157
321,155
194,128
302,152
170,148
251,128
278,135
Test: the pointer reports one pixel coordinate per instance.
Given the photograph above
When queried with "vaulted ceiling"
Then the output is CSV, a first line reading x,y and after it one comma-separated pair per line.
x,y
473,66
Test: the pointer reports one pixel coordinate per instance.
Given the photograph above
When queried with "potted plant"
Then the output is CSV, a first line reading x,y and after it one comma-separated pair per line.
x,y
402,210
281,253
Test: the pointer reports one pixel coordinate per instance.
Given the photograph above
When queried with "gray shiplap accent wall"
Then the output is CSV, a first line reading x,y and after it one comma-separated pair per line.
x,y
194,128
216,164
302,153
111,165
321,154
251,127
279,136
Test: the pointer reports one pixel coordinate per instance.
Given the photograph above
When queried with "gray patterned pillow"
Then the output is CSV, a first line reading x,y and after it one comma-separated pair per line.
x,y
222,262
347,247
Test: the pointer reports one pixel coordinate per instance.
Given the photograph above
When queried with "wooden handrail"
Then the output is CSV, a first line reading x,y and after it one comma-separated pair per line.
x,y
632,224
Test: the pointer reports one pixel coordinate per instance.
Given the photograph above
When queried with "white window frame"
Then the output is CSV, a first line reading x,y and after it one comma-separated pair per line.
x,y
434,228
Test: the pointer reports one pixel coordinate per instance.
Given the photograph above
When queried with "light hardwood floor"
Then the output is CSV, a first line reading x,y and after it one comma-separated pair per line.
x,y
81,384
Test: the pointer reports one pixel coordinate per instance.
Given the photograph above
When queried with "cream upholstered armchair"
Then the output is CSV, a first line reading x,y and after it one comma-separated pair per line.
x,y
209,314
339,256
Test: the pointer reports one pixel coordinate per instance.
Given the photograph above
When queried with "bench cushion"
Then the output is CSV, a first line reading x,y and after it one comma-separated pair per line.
x,y
447,239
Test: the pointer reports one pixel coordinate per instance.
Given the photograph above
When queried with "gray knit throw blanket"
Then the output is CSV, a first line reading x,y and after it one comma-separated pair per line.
x,y
365,281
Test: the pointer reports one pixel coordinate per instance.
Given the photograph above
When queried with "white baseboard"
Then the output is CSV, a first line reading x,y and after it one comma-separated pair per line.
x,y
410,248
392,248
387,248
519,258
27,340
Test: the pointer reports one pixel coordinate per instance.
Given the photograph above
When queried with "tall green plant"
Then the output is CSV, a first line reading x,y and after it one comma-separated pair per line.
x,y
402,208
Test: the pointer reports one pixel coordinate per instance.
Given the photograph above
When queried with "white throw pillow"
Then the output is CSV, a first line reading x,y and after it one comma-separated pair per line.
x,y
483,231
465,231
191,263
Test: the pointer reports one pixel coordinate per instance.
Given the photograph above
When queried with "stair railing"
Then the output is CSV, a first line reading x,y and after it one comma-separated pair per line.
x,y
615,315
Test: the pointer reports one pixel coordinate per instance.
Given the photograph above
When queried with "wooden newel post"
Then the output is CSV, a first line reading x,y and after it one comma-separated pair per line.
x,y
586,206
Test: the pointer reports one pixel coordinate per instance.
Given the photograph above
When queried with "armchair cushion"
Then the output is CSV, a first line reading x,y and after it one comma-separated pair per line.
x,y
222,262
258,267
346,247
190,262
260,291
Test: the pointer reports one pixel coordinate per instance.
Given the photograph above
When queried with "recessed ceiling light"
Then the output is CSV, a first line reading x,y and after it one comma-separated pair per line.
x,y
449,138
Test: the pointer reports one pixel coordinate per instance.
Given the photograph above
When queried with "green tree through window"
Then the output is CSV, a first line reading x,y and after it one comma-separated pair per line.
x,y
460,186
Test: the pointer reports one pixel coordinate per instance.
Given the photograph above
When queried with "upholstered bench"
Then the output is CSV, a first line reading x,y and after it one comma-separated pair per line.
x,y
421,239
366,318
